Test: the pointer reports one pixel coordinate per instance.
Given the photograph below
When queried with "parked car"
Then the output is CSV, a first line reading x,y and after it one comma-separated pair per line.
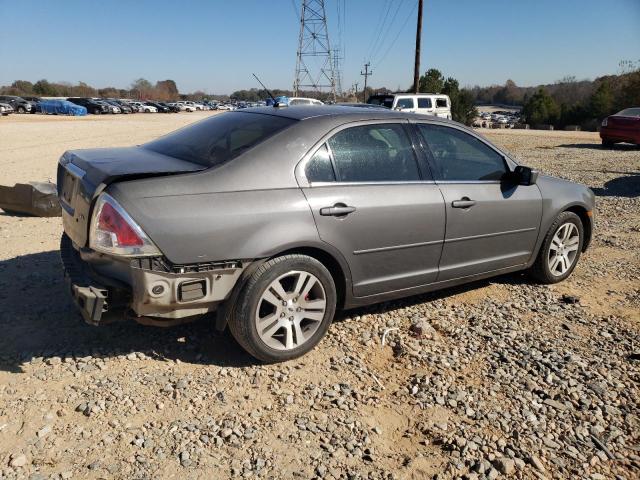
x,y
34,101
624,126
124,108
60,107
363,205
5,109
172,106
303,101
111,108
159,107
186,107
19,104
91,105
144,108
424,103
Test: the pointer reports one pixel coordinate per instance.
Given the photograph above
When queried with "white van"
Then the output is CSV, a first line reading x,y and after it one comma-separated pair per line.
x,y
425,103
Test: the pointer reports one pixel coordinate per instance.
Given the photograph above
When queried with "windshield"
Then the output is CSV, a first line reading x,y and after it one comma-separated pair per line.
x,y
630,112
384,100
220,138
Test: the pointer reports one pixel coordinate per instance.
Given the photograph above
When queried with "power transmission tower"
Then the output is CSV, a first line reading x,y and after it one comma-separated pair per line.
x,y
315,62
337,70
367,73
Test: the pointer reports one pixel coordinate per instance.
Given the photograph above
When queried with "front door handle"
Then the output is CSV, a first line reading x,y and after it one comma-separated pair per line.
x,y
464,202
338,210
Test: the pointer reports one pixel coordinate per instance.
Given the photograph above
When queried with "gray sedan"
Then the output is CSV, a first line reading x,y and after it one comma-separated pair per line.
x,y
276,217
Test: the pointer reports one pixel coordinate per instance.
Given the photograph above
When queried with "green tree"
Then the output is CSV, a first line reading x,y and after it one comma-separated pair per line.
x,y
432,81
601,102
44,88
22,87
541,108
463,109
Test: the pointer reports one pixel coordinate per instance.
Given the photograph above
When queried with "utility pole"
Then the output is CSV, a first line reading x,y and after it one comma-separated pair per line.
x,y
356,87
367,73
416,67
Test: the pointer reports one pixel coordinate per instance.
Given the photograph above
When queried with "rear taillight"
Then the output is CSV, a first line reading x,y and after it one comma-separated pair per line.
x,y
113,231
604,122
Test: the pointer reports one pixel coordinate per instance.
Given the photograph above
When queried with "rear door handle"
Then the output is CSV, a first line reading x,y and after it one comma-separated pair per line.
x,y
338,210
464,202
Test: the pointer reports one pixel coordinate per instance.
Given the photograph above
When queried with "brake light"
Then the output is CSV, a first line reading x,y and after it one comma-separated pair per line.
x,y
113,231
111,222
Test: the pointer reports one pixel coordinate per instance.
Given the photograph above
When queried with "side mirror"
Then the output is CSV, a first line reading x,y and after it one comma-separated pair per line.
x,y
526,175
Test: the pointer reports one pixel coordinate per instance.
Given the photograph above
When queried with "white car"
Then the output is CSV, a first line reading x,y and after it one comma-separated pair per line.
x,y
5,109
226,107
424,103
143,107
503,120
186,106
304,101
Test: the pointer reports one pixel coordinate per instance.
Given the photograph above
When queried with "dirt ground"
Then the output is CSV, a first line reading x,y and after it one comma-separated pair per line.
x,y
513,379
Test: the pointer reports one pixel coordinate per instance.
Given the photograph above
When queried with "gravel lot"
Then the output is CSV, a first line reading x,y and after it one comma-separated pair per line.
x,y
500,378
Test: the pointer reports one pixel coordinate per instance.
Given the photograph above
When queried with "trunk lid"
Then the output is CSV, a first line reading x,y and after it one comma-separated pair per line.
x,y
83,174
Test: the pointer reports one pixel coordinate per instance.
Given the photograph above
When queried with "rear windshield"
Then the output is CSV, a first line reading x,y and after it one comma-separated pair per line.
x,y
385,101
220,138
630,112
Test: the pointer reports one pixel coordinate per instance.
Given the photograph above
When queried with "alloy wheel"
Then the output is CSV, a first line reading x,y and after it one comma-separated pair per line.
x,y
290,310
563,249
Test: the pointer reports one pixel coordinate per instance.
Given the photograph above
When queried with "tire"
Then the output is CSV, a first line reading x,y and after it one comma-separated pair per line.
x,y
21,110
285,321
542,268
607,144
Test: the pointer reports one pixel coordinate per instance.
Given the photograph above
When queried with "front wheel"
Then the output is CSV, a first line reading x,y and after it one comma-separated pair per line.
x,y
284,309
560,249
607,143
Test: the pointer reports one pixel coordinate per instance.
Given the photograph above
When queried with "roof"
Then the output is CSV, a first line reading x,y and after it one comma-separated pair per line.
x,y
343,112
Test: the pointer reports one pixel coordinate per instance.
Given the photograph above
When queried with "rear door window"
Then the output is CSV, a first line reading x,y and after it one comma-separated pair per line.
x,y
219,139
374,153
424,103
319,168
441,103
458,156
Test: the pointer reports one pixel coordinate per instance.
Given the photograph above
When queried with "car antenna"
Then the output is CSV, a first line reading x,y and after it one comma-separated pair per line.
x,y
275,102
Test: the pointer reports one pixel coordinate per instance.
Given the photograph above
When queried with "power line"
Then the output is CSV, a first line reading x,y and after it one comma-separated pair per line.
x,y
396,37
376,33
383,36
367,73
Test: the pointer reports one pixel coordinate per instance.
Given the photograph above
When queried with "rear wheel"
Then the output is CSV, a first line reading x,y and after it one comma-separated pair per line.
x,y
22,110
284,309
560,250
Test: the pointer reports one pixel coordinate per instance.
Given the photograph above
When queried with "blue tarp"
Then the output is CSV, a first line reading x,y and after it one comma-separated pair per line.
x,y
61,107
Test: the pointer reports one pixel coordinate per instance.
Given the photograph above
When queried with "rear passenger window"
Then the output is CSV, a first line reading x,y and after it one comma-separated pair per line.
x,y
405,103
441,103
374,153
319,168
458,156
424,103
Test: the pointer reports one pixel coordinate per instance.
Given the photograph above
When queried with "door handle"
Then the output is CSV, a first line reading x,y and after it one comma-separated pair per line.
x,y
464,202
338,210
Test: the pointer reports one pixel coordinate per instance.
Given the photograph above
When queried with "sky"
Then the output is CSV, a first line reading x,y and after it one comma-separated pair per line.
x,y
215,45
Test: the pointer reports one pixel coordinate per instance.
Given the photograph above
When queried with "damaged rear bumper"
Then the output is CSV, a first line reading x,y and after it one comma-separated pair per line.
x,y
148,290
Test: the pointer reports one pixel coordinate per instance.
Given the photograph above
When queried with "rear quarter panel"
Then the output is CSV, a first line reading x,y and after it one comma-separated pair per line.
x,y
200,227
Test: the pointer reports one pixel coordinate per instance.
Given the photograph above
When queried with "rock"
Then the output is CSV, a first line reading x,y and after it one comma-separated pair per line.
x,y
537,463
18,460
44,431
506,466
421,328
570,299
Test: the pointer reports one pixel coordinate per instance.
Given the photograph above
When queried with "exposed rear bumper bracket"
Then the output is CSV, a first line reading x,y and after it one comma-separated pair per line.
x,y
92,302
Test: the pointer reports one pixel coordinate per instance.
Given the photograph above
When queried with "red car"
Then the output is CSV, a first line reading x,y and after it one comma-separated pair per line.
x,y
624,126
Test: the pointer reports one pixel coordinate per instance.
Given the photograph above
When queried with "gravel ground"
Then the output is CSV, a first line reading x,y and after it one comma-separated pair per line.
x,y
499,378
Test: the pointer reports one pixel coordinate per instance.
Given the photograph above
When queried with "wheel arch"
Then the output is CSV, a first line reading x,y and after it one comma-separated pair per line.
x,y
586,220
336,265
